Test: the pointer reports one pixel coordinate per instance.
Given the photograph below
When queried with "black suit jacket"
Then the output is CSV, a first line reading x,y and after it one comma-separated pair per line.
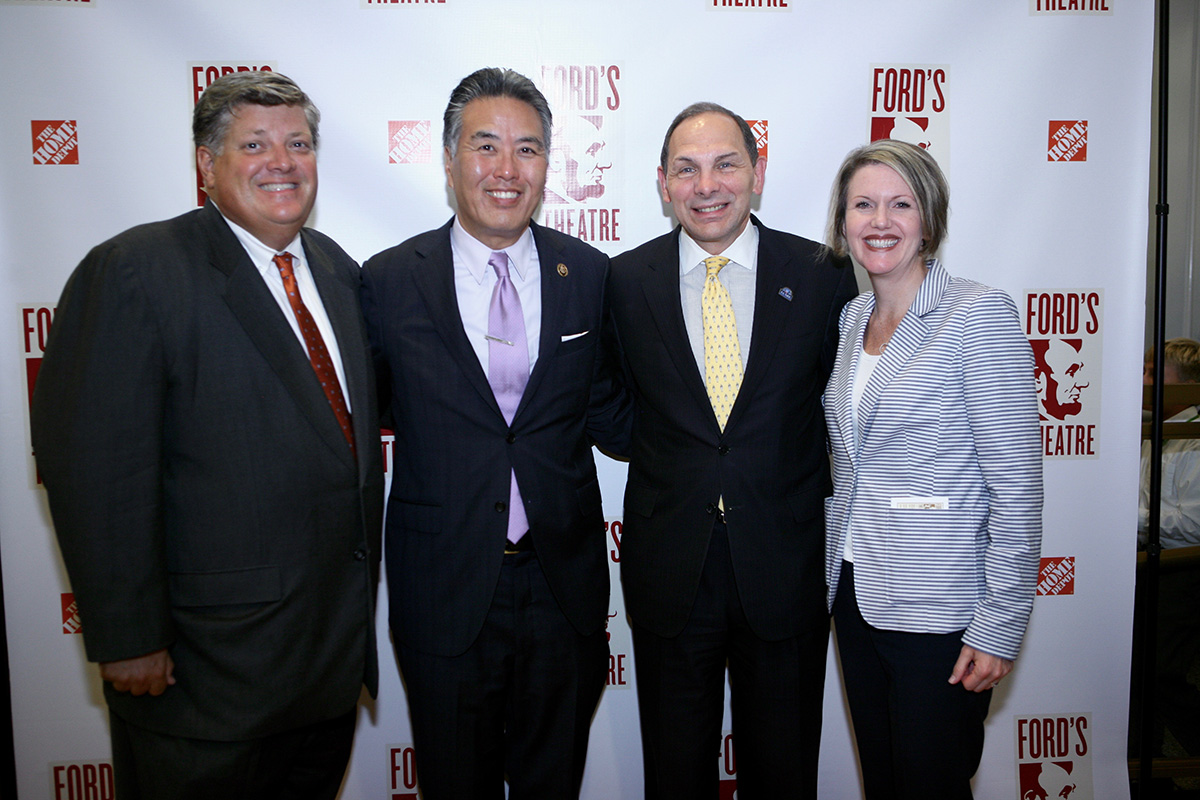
x,y
447,512
769,465
204,497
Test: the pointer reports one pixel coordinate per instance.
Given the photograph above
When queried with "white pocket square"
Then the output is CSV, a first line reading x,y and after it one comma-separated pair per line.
x,y
569,336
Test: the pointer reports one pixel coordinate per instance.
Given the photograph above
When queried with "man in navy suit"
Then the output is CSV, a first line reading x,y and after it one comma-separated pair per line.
x,y
488,336
728,331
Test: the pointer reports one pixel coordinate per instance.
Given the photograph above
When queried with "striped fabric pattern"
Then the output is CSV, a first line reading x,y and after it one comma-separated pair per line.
x,y
950,411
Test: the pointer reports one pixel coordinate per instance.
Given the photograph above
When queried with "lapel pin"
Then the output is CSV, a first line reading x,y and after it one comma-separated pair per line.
x,y
562,270
786,293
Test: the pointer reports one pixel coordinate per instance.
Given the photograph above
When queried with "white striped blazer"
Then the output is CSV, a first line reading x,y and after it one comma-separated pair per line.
x,y
949,412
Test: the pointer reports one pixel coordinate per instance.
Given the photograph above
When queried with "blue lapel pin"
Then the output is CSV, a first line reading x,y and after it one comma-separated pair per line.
x,y
786,293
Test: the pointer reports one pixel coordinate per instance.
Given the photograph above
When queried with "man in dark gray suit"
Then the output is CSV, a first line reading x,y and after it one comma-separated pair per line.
x,y
205,424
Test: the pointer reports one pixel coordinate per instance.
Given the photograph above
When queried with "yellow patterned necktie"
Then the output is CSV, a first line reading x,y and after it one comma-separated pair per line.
x,y
722,353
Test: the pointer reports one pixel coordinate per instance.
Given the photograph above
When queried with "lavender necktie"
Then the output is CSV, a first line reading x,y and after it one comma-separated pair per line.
x,y
508,369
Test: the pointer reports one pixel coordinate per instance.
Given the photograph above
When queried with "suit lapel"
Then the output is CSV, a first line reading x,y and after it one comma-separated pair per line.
x,y
661,289
262,319
842,385
905,342
770,312
555,292
434,280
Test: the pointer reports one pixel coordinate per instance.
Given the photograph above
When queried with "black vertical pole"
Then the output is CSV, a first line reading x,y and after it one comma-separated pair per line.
x,y
1148,588
8,755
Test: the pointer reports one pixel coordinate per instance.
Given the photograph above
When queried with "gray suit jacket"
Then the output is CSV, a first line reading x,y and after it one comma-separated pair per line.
x,y
950,412
203,495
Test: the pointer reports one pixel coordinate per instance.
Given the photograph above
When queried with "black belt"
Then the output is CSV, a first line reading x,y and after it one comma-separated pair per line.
x,y
522,545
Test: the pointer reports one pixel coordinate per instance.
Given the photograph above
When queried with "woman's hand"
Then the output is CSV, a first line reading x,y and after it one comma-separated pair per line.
x,y
978,671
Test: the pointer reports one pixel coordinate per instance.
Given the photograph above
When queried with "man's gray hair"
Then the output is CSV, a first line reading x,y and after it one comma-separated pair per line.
x,y
492,82
214,113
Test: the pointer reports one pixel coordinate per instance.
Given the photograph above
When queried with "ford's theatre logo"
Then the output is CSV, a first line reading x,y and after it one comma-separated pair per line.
x,y
35,331
760,5
82,780
55,141
910,102
202,74
1064,330
1048,7
584,183
402,769
1054,757
616,627
728,768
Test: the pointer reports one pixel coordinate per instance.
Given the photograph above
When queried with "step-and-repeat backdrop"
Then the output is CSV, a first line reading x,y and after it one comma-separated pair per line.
x,y
1038,110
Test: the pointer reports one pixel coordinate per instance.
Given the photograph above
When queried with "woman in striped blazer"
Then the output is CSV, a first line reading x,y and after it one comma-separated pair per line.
x,y
934,527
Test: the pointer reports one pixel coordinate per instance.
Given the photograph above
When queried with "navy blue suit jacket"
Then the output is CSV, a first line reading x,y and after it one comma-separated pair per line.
x,y
447,511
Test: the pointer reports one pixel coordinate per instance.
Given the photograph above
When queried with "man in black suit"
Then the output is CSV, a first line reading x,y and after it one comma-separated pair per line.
x,y
487,340
207,431
722,552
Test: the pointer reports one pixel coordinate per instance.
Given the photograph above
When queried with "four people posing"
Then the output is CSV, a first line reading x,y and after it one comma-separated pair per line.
x,y
206,421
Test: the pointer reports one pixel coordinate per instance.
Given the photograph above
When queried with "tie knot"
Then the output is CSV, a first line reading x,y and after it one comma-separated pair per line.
x,y
714,263
499,262
284,262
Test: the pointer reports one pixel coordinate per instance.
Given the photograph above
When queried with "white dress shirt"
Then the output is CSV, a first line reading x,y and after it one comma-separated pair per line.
x,y
738,277
262,256
474,281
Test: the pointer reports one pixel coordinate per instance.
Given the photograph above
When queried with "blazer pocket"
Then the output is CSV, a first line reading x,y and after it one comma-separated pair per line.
x,y
228,587
416,516
640,500
809,502
575,342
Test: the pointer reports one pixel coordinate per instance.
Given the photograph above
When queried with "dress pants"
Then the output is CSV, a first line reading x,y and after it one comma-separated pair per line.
x,y
518,704
306,763
918,736
776,695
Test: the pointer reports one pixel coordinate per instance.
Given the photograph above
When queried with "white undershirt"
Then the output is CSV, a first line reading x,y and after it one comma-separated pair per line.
x,y
862,374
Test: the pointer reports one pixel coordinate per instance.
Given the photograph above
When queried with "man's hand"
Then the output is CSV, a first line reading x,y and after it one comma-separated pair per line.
x,y
979,671
151,673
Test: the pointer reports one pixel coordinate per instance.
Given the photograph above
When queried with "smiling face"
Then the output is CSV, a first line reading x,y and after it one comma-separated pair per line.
x,y
709,180
498,171
265,177
883,223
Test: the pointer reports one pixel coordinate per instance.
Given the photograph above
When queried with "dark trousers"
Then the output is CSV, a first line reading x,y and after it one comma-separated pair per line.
x,y
517,704
306,763
776,695
917,735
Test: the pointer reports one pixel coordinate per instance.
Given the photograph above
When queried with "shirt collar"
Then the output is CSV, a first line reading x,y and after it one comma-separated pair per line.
x,y
743,251
474,254
260,253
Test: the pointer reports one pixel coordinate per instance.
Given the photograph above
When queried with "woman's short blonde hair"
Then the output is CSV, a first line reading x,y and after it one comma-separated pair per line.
x,y
919,171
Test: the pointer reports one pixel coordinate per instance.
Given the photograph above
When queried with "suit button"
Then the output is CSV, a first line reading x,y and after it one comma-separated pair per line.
x,y
512,437
723,449
711,508
360,554
501,507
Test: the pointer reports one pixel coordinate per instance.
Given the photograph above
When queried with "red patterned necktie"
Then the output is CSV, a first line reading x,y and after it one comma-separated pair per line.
x,y
318,353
